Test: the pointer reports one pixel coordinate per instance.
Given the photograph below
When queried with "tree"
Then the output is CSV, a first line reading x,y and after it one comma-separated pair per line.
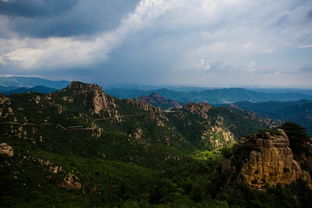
x,y
296,134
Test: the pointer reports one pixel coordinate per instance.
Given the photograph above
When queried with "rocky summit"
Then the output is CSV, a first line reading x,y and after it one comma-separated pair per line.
x,y
92,96
264,159
161,101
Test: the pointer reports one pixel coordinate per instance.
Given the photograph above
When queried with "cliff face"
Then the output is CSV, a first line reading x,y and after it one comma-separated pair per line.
x,y
160,101
217,137
200,109
93,98
99,99
154,114
266,160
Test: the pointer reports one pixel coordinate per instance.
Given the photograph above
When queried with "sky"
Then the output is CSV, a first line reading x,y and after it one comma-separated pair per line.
x,y
212,43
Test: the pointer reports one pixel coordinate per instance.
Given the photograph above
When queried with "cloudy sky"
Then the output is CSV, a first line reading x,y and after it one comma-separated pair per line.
x,y
214,43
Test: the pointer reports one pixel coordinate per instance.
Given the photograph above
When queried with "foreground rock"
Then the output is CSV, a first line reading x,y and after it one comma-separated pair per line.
x,y
264,160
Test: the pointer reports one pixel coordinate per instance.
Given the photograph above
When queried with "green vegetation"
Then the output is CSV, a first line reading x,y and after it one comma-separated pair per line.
x,y
149,159
297,136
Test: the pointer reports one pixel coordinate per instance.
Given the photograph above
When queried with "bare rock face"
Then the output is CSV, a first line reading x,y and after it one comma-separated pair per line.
x,y
93,97
200,109
153,114
5,108
138,134
99,99
6,150
217,137
161,101
266,160
142,104
69,182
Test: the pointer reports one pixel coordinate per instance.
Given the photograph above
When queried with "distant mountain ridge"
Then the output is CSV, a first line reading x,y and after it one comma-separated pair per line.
x,y
180,94
39,89
294,111
213,96
28,82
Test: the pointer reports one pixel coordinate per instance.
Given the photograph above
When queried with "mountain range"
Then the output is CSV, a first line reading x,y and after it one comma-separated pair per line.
x,y
180,94
213,96
10,83
80,147
295,111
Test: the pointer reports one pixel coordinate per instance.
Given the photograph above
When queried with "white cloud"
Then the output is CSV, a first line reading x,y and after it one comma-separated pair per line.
x,y
32,53
306,46
204,65
204,36
251,66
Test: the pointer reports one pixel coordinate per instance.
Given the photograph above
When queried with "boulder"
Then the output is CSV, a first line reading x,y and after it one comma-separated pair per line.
x,y
6,150
265,160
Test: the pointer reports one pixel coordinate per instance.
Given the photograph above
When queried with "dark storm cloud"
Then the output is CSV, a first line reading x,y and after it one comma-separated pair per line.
x,y
45,18
159,41
35,8
309,14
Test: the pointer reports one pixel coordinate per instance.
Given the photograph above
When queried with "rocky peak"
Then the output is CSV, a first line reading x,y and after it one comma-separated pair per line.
x,y
84,88
98,100
153,114
91,97
160,101
142,104
199,109
264,159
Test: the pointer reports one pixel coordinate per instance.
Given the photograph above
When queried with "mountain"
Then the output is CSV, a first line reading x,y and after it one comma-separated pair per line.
x,y
4,89
160,101
283,90
39,89
214,96
266,159
29,82
80,147
295,111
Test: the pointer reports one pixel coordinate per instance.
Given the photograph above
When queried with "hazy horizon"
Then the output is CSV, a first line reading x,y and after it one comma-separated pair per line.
x,y
161,86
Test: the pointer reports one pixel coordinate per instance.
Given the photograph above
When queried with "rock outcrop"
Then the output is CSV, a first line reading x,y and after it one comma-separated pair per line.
x,y
99,99
216,137
93,98
70,182
6,150
153,114
5,109
161,101
199,109
264,160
